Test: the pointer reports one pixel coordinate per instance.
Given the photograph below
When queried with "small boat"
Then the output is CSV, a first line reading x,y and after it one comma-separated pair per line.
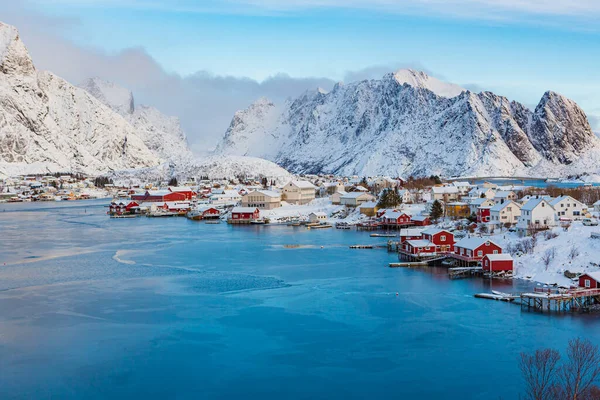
x,y
258,222
383,235
194,215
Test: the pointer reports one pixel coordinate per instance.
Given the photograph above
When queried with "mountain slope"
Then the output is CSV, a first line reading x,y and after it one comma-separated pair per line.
x,y
49,125
410,124
161,134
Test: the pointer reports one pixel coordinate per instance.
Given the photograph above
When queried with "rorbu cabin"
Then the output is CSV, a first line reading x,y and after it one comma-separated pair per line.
x,y
590,280
497,262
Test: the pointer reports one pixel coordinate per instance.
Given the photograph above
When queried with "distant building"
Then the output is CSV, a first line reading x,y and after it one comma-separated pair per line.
x,y
316,217
243,215
368,208
536,214
262,199
497,262
355,199
299,192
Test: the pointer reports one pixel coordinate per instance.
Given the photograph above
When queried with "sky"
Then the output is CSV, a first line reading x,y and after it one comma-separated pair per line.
x,y
203,60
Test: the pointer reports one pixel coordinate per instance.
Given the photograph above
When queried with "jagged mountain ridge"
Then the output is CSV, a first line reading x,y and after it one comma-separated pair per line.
x,y
49,125
408,124
162,134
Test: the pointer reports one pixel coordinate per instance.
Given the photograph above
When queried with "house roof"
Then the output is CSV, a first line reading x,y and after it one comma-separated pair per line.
x,y
180,189
434,231
532,203
594,275
499,257
318,214
410,232
419,218
558,199
394,214
472,243
268,193
479,201
244,209
501,206
303,184
354,195
368,204
444,189
419,243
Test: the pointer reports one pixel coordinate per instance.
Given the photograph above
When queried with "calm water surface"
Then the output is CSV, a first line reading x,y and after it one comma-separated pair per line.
x,y
92,307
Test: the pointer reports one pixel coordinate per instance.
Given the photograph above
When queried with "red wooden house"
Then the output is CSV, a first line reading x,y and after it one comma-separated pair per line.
x,y
186,191
209,212
395,218
442,239
409,234
418,247
243,215
590,280
473,249
420,220
497,262
483,214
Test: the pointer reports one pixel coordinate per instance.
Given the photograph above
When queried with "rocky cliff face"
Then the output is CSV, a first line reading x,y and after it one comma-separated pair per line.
x,y
410,124
162,134
49,125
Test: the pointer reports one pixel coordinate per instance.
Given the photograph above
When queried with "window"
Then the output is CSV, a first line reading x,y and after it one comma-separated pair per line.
x,y
479,253
588,283
495,251
443,238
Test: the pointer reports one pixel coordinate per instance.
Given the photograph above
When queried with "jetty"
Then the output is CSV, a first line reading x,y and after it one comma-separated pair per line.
x,y
387,235
319,226
408,264
464,272
560,299
497,296
362,246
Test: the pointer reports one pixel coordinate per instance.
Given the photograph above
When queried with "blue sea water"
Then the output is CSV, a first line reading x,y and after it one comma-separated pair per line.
x,y
92,307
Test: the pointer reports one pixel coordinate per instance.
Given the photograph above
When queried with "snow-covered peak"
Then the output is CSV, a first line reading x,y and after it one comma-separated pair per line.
x,y
420,79
110,94
14,57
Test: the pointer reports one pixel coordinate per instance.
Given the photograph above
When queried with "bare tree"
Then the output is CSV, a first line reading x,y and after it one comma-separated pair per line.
x,y
548,256
539,371
581,369
573,253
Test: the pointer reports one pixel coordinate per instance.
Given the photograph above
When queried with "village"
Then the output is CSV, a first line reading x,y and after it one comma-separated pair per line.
x,y
545,235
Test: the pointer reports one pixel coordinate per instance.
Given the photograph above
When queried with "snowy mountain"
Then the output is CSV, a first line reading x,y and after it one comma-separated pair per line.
x,y
49,125
161,134
410,124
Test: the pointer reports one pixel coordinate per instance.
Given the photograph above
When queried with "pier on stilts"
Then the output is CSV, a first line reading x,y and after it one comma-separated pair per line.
x,y
560,299
464,272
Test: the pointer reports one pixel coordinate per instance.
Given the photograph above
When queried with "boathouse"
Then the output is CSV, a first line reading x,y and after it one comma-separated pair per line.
x,y
497,262
396,218
590,280
409,234
209,212
158,196
472,250
418,248
243,215
186,191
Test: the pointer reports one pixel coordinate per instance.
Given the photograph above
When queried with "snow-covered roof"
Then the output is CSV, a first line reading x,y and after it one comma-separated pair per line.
x,y
532,203
158,192
180,189
500,206
243,209
419,243
558,199
410,232
434,231
268,193
461,184
354,195
368,204
471,243
444,189
303,184
393,214
318,214
479,201
419,218
361,189
499,257
594,275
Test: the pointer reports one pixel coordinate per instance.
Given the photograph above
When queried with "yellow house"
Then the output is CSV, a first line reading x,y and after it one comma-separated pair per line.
x,y
262,199
457,210
369,208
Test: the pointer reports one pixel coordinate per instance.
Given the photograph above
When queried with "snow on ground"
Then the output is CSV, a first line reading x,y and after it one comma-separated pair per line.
x,y
532,266
290,211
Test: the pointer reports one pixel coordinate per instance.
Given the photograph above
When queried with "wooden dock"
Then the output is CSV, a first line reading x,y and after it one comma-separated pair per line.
x,y
560,299
362,246
464,272
407,264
